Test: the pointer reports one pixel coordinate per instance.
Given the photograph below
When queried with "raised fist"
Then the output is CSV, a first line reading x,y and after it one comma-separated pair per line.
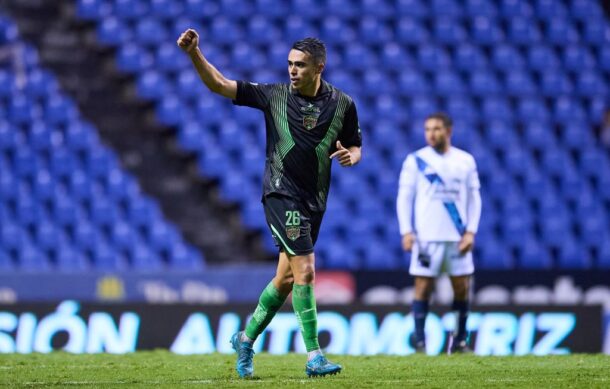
x,y
188,40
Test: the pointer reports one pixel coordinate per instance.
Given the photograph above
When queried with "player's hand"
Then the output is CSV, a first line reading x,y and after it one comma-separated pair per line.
x,y
467,243
407,241
343,155
189,40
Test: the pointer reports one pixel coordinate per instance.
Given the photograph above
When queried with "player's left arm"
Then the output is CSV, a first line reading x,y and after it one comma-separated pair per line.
x,y
473,211
351,137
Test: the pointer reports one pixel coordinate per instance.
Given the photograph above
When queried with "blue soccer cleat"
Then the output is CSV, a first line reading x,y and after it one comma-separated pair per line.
x,y
319,366
244,366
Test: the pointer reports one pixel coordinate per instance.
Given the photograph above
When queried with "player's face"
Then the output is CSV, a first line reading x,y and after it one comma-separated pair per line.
x,y
437,135
302,70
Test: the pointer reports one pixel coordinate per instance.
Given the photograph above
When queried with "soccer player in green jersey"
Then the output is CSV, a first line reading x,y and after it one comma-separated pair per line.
x,y
309,122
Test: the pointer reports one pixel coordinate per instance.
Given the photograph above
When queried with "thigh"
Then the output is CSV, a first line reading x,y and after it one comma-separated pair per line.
x,y
457,264
426,259
290,224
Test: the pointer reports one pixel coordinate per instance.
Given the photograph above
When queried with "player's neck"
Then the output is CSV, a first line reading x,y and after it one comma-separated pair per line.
x,y
442,149
312,89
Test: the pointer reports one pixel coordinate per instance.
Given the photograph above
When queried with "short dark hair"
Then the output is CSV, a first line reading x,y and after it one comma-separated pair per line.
x,y
443,117
314,47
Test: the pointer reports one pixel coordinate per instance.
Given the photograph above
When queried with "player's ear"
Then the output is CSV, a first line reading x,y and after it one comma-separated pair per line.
x,y
320,68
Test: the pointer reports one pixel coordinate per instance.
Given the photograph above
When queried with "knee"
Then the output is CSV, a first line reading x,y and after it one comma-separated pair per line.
x,y
284,283
460,293
306,276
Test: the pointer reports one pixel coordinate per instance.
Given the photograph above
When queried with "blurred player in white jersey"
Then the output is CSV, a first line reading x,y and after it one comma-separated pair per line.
x,y
439,207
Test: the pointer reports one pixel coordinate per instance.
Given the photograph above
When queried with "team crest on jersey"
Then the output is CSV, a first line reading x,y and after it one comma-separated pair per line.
x,y
310,122
293,232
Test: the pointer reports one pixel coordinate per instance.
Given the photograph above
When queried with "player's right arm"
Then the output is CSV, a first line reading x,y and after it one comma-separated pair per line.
x,y
211,77
404,201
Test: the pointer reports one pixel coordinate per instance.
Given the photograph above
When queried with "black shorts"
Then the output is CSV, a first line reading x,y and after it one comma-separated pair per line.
x,y
293,226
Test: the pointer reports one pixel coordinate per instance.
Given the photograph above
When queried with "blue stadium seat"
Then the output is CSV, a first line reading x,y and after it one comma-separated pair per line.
x,y
40,83
475,8
169,58
561,32
573,255
449,31
69,260
32,260
113,32
499,134
577,58
596,32
377,256
152,85
493,255
358,57
593,162
519,83
506,58
591,83
412,8
413,83
484,83
555,83
169,111
575,135
86,236
448,83
567,109
497,108
104,258
470,58
6,262
604,253
262,31
167,9
532,108
296,27
373,31
59,110
133,58
516,8
411,31
604,58
378,9
185,258
278,10
92,9
22,110
130,9
550,10
538,134
534,256
524,32
555,161
149,32
542,58
394,57
432,57
144,259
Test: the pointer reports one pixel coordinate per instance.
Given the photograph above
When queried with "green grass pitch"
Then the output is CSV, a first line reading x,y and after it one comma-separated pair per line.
x,y
163,369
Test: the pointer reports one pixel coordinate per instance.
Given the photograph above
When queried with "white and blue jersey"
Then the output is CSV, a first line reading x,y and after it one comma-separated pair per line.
x,y
438,195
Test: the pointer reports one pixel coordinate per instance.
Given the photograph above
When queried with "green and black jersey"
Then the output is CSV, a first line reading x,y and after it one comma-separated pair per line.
x,y
302,132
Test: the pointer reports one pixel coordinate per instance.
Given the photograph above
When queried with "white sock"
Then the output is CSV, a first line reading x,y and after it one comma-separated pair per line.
x,y
312,354
244,338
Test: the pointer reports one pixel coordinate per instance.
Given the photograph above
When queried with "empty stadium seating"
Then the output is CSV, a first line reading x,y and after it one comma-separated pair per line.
x,y
525,80
66,204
